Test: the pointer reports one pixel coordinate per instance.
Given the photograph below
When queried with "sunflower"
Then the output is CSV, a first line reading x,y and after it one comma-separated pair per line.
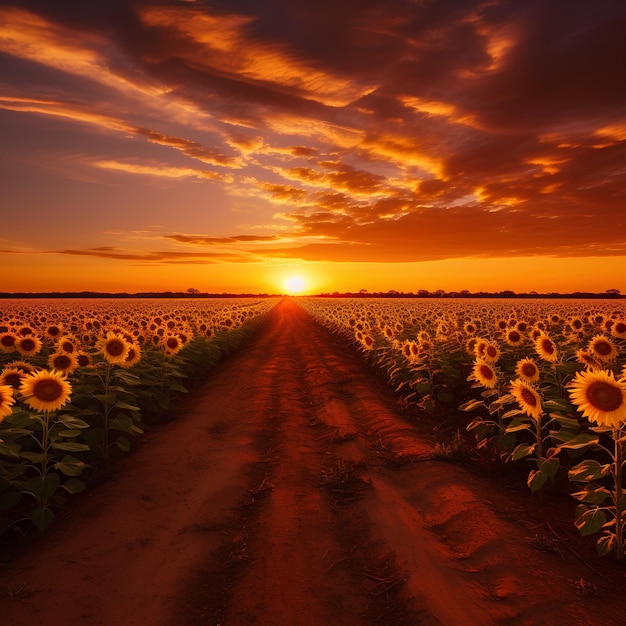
x,y
546,348
114,348
576,323
53,331
64,362
470,345
470,328
491,353
582,356
7,342
6,401
600,397
45,391
172,344
514,337
28,345
67,344
601,347
479,348
619,329
406,349
522,326
484,374
27,368
555,319
11,376
84,359
597,319
527,370
527,398
502,324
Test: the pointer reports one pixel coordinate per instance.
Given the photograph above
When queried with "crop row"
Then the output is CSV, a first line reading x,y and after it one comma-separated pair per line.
x,y
79,382
543,383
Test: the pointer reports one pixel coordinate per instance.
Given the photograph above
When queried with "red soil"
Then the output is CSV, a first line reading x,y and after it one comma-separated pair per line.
x,y
293,489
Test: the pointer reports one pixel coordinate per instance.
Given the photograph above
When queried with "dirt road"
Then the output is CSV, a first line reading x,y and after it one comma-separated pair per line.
x,y
291,491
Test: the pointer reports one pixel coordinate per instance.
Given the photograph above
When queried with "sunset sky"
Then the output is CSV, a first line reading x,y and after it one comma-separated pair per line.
x,y
354,144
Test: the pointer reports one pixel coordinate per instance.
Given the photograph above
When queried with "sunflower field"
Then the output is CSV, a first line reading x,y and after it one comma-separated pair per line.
x,y
541,383
80,380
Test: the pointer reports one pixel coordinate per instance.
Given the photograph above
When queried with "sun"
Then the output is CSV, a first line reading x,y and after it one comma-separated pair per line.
x,y
294,284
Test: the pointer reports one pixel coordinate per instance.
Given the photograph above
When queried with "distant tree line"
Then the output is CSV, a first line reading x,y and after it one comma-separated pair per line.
x,y
440,293
363,293
123,294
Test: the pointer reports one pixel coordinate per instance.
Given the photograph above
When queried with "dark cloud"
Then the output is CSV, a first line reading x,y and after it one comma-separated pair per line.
x,y
566,62
209,241
155,256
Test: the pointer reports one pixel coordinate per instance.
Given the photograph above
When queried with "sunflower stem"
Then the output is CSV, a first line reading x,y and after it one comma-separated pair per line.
x,y
45,439
619,522
106,409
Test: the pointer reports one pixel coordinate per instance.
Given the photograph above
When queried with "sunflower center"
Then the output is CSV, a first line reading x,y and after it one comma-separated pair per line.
x,y
529,397
28,344
486,372
620,327
604,396
47,390
491,351
547,346
603,348
115,347
172,343
7,341
514,335
61,362
529,370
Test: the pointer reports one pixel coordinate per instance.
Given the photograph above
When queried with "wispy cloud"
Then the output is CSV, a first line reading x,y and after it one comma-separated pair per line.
x,y
161,170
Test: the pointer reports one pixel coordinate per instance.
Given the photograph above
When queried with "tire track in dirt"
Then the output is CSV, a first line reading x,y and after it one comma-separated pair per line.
x,y
288,581
291,492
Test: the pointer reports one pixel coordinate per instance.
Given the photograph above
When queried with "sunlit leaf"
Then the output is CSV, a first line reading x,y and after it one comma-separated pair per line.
x,y
588,470
589,520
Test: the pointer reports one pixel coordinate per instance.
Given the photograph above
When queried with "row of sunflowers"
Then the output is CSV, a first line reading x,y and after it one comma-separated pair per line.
x,y
80,380
543,383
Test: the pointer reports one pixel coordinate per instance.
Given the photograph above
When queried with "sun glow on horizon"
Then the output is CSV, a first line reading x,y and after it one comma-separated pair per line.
x,y
294,284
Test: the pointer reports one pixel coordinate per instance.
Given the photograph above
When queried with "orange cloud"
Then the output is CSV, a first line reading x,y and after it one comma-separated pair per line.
x,y
161,170
225,45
